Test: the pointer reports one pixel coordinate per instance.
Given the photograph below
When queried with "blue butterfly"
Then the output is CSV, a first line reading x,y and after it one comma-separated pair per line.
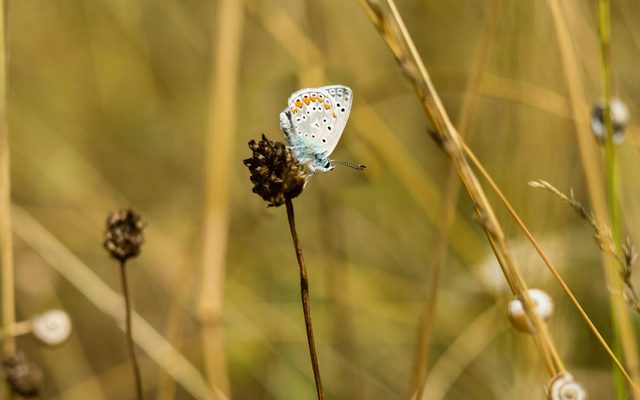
x,y
313,123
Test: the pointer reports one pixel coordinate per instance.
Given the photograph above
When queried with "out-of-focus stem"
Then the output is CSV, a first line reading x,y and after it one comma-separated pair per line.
x,y
229,21
611,166
391,27
130,346
6,241
448,203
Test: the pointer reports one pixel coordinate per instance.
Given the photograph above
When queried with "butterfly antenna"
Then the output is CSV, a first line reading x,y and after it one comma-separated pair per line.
x,y
349,164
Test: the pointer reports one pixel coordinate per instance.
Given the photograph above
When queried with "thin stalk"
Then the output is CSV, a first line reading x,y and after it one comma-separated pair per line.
x,y
226,56
304,288
623,331
16,329
393,30
6,240
550,266
611,162
130,346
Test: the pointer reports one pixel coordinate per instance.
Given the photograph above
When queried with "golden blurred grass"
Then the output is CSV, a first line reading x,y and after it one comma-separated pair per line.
x,y
109,107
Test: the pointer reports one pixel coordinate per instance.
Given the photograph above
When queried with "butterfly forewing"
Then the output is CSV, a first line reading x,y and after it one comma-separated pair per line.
x,y
312,118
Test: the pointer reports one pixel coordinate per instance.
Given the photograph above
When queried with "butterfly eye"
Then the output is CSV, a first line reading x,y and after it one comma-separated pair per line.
x,y
327,165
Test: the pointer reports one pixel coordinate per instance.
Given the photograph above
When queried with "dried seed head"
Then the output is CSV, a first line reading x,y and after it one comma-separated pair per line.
x,y
543,307
275,173
564,387
24,376
619,119
123,236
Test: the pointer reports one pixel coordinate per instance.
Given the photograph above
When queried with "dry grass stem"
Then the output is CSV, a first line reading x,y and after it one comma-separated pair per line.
x,y
227,46
626,256
390,25
6,240
624,331
554,271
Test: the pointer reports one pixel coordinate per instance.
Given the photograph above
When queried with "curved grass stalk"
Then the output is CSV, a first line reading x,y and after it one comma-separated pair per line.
x,y
623,330
392,29
550,266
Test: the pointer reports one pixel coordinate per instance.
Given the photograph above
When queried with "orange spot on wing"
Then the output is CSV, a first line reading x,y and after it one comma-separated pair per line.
x,y
306,100
327,106
320,99
313,98
298,104
293,111
334,114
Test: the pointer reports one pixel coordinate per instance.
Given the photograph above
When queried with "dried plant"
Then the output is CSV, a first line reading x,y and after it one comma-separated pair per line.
x,y
603,238
123,238
275,174
391,27
278,178
24,376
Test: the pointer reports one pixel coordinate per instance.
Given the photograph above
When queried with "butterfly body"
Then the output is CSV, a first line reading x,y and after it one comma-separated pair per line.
x,y
313,123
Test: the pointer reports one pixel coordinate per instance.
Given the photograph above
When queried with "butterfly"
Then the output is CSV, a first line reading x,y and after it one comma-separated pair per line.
x,y
313,123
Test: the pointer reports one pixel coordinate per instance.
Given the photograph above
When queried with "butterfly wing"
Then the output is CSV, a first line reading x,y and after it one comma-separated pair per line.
x,y
342,97
310,122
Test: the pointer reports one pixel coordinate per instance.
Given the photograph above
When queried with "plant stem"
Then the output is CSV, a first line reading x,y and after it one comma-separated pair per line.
x,y
393,30
132,353
226,46
6,240
304,288
611,164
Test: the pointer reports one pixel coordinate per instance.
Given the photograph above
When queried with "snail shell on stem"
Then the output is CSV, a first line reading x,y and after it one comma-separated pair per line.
x,y
543,307
52,328
564,387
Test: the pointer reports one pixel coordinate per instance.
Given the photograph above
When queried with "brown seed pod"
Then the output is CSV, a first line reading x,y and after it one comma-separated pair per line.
x,y
124,234
275,173
24,376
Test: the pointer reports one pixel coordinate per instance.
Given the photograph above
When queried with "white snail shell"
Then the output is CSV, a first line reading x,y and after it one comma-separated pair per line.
x,y
543,307
619,119
564,387
52,328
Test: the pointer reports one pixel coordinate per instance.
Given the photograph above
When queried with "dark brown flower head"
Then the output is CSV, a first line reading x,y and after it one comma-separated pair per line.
x,y
24,376
123,236
275,173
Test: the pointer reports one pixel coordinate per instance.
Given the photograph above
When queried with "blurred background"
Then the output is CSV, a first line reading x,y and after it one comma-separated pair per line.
x,y
150,104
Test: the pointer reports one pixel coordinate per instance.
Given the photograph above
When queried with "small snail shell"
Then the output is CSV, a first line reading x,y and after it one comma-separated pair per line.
x,y
619,119
52,328
543,307
564,387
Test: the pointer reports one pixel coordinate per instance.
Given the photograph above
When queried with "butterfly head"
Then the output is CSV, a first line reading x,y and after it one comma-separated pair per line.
x,y
321,164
